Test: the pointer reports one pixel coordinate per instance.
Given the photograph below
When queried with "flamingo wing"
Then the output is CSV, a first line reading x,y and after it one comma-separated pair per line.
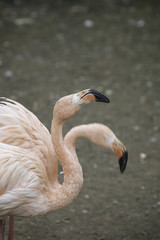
x,y
23,182
20,127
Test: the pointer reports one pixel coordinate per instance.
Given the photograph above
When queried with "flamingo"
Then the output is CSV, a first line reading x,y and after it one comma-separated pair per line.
x,y
29,156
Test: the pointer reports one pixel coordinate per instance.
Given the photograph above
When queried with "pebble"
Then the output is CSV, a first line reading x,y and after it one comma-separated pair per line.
x,y
115,201
153,139
109,92
8,74
149,84
156,204
23,21
84,211
95,165
136,128
143,155
86,196
140,23
88,23
157,103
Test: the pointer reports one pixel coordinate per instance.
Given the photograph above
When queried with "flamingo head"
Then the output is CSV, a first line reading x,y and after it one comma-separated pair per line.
x,y
68,106
103,136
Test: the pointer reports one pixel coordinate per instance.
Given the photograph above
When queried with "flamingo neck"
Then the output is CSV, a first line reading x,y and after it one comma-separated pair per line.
x,y
73,175
81,131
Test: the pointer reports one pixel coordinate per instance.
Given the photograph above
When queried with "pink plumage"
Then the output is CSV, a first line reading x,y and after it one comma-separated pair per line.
x,y
29,155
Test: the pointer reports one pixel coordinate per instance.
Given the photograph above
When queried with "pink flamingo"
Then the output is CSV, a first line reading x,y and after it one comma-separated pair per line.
x,y
29,157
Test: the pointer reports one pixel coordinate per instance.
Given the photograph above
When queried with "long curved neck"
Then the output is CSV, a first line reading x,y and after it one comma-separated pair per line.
x,y
81,131
73,176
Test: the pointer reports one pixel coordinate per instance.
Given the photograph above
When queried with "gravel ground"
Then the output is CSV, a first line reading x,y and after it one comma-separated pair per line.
x,y
49,49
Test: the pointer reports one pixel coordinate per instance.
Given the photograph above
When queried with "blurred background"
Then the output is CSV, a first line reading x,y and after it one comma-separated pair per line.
x,y
49,49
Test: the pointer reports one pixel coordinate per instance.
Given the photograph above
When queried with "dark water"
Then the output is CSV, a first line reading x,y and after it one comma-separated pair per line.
x,y
49,49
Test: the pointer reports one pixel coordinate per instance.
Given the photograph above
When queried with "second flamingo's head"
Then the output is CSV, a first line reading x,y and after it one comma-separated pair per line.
x,y
68,106
103,136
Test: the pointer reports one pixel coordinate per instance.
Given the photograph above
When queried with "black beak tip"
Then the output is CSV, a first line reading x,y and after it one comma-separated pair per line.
x,y
99,96
123,161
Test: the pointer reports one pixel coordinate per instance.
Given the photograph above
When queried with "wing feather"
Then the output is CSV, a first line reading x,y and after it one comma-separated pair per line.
x,y
23,179
20,127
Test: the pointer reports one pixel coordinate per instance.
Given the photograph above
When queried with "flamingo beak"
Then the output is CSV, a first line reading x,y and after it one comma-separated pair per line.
x,y
122,156
93,95
123,161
